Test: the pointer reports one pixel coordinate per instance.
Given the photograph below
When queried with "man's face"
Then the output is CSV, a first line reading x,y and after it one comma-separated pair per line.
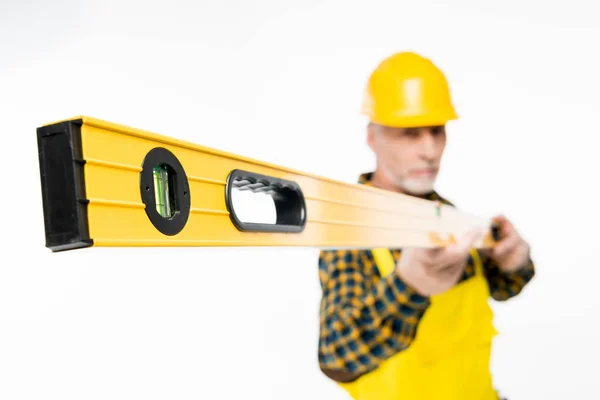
x,y
408,157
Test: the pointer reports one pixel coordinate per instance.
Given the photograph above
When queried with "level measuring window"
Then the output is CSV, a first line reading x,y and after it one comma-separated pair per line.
x,y
164,190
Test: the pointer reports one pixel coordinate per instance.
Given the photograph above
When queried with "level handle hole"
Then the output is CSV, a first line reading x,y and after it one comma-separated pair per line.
x,y
262,203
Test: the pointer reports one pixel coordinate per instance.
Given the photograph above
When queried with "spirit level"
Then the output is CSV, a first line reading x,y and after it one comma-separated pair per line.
x,y
105,184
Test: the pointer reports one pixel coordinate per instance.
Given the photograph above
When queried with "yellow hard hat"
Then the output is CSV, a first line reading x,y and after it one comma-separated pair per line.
x,y
408,90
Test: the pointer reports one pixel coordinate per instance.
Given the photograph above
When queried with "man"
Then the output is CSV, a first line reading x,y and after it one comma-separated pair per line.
x,y
414,323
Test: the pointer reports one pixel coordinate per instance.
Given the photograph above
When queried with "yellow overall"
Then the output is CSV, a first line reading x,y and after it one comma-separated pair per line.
x,y
450,355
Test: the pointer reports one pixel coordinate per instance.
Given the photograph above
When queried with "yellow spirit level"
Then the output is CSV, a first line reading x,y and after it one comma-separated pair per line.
x,y
105,184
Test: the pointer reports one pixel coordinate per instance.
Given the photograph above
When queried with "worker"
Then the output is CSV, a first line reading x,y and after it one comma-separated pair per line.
x,y
415,323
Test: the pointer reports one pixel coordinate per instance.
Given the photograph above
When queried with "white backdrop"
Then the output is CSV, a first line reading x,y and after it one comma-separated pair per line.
x,y
282,82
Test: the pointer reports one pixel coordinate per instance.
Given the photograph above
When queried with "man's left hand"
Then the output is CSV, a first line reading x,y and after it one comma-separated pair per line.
x,y
511,252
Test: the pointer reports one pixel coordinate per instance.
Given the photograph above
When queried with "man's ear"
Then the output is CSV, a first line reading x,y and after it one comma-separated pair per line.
x,y
371,136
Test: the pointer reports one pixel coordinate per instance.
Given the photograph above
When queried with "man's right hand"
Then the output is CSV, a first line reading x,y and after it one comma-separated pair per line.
x,y
434,271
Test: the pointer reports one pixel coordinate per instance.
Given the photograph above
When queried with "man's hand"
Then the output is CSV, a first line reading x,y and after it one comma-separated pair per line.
x,y
433,271
511,252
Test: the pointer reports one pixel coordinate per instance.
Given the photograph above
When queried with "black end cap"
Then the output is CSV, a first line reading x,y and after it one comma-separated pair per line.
x,y
63,186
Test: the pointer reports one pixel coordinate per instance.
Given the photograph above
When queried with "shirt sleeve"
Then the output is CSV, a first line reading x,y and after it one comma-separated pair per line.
x,y
364,318
506,285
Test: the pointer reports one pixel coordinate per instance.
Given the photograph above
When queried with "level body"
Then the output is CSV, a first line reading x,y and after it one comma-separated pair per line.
x,y
105,184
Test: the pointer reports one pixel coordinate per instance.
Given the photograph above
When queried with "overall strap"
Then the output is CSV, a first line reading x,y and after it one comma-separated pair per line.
x,y
477,261
384,261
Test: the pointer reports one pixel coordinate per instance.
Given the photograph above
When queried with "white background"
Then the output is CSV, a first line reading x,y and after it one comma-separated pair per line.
x,y
243,323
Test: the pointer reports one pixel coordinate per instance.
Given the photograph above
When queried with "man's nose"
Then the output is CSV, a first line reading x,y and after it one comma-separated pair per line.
x,y
428,147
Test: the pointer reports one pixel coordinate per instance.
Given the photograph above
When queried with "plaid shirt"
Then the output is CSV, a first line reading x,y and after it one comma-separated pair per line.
x,y
365,319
